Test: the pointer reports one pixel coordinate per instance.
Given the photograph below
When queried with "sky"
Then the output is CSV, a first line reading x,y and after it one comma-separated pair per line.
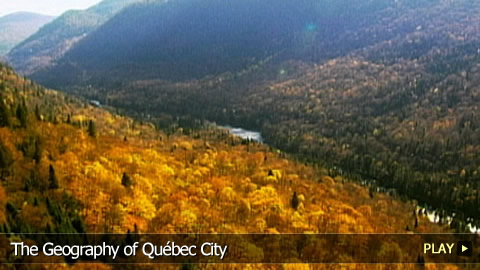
x,y
48,7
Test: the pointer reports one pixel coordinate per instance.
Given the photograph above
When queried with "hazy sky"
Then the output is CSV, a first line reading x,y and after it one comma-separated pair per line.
x,y
49,7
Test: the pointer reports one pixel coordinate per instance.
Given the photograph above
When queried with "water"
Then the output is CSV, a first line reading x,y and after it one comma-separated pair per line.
x,y
433,218
430,214
245,134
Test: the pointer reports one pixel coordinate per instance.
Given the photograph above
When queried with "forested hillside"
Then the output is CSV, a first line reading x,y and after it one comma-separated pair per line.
x,y
18,26
191,39
67,166
41,49
397,108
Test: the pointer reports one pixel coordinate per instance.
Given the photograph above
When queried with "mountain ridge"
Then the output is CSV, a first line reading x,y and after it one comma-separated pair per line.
x,y
17,26
41,49
225,37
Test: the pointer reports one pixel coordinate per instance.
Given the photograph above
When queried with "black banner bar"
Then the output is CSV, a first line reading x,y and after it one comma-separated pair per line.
x,y
242,248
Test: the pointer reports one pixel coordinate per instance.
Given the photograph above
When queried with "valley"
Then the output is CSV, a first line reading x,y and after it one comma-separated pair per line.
x,y
383,110
84,169
273,116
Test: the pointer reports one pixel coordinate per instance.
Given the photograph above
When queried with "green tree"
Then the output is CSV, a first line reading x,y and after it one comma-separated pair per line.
x,y
4,115
294,201
6,160
52,178
126,180
38,149
38,115
31,182
92,129
22,114
421,260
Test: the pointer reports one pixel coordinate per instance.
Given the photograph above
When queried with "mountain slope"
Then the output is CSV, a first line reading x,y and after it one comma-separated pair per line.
x,y
54,39
191,39
397,108
123,175
17,27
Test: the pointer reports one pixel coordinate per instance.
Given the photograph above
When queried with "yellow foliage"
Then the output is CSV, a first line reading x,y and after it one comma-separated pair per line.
x,y
260,224
296,266
263,198
87,266
293,177
301,207
228,194
277,174
184,184
365,210
80,118
3,201
349,211
141,205
187,146
251,187
166,170
243,209
186,219
328,180
298,221
270,180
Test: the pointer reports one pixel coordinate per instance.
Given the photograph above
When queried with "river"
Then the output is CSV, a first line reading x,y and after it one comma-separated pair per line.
x,y
245,134
257,136
433,218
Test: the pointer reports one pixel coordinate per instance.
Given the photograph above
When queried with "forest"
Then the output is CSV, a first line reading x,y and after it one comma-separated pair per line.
x,y
398,114
369,120
71,167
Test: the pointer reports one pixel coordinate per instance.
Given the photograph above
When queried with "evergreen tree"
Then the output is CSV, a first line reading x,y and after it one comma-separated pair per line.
x,y
420,260
22,114
29,182
11,209
54,211
79,225
92,129
6,160
294,202
126,180
38,115
52,178
4,115
37,151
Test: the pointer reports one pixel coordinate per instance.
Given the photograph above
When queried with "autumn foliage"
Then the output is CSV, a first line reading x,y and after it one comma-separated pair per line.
x,y
59,176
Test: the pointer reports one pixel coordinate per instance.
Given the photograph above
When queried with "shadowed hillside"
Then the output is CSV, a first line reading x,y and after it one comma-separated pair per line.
x,y
191,39
41,49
